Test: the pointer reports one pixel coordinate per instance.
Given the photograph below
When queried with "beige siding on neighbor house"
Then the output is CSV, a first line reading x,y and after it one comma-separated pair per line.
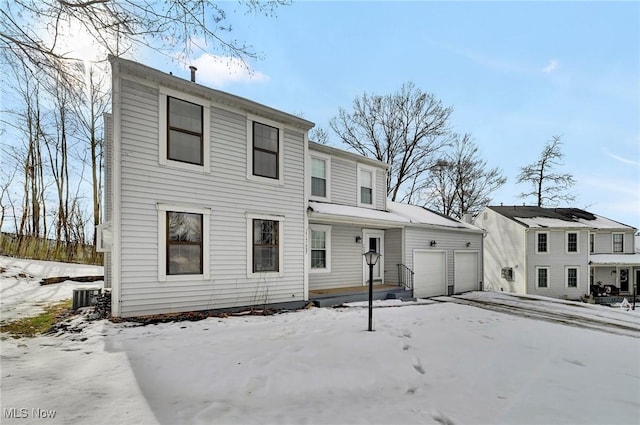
x,y
225,190
504,246
557,259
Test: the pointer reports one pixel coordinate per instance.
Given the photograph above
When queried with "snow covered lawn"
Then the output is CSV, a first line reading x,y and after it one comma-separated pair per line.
x,y
432,363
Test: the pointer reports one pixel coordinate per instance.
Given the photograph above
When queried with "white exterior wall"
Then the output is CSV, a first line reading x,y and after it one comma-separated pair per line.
x,y
504,246
229,194
450,241
106,212
603,241
346,260
557,260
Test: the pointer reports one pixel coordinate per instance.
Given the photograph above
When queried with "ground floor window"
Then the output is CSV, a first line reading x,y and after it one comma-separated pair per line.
x,y
320,241
265,244
542,277
572,277
183,251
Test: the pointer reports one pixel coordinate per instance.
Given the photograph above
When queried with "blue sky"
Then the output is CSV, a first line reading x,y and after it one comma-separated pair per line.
x,y
515,73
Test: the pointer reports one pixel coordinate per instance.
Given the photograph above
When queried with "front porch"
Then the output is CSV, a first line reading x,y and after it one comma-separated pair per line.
x,y
337,296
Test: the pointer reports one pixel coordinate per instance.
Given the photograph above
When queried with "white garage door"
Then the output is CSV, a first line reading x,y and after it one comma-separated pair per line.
x,y
429,279
466,272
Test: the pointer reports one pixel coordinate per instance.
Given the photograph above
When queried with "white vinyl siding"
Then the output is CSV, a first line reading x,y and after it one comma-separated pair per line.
x,y
226,191
108,200
346,260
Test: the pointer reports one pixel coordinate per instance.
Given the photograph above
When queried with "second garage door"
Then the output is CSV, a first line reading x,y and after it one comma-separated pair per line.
x,y
465,272
429,279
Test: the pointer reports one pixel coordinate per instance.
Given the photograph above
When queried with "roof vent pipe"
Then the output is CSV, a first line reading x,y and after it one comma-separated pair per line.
x,y
193,73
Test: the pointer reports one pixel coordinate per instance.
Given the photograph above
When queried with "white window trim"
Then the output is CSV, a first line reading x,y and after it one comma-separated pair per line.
x,y
536,236
280,219
266,180
566,277
538,277
104,237
162,131
327,171
327,240
162,242
566,243
372,170
613,245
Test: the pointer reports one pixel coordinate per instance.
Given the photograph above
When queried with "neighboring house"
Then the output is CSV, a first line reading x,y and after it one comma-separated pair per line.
x,y
556,252
213,201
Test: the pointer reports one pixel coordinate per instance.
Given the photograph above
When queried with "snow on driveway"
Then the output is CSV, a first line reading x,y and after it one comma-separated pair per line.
x,y
426,363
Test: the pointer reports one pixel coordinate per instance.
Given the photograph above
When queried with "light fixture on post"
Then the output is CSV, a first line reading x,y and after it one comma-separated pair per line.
x,y
371,258
358,239
468,244
432,243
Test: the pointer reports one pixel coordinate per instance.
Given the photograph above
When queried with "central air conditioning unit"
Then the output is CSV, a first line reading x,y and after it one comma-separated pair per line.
x,y
507,273
85,297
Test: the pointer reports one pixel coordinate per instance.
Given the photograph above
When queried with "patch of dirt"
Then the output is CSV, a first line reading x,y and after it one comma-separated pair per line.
x,y
193,316
59,279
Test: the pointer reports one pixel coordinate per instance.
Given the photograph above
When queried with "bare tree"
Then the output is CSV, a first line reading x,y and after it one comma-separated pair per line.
x,y
405,129
33,29
461,182
319,135
548,187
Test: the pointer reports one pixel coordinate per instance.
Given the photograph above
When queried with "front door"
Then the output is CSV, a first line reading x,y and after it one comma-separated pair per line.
x,y
373,239
624,280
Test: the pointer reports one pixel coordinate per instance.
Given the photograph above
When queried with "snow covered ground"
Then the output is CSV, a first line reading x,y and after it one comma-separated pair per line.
x,y
426,363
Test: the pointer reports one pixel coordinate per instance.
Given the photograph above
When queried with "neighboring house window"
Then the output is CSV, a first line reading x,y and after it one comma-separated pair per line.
x,y
542,277
264,244
320,177
542,242
366,186
184,127
183,249
572,242
572,277
618,242
320,248
591,242
266,142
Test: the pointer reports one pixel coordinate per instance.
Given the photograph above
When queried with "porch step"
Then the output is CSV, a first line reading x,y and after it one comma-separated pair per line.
x,y
333,300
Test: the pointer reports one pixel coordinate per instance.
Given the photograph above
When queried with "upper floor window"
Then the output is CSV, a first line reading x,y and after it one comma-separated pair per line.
x,y
318,177
592,237
542,241
542,277
266,146
366,186
184,126
618,242
572,242
184,131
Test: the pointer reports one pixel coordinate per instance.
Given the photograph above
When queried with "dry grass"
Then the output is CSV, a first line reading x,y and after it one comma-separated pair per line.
x,y
37,325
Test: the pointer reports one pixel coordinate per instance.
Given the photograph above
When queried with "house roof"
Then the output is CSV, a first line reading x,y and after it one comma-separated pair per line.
x,y
221,97
421,215
398,215
539,217
346,154
615,259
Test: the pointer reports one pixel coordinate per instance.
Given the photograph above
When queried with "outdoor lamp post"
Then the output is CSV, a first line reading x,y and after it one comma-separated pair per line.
x,y
371,258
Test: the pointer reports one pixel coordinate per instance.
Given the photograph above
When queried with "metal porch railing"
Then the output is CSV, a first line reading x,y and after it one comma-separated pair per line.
x,y
405,277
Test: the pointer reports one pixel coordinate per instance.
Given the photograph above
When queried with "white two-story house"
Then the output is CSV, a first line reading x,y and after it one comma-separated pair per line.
x,y
213,201
556,252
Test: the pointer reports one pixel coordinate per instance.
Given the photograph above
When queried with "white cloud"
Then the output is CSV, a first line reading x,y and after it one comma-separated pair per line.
x,y
218,71
619,158
552,66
